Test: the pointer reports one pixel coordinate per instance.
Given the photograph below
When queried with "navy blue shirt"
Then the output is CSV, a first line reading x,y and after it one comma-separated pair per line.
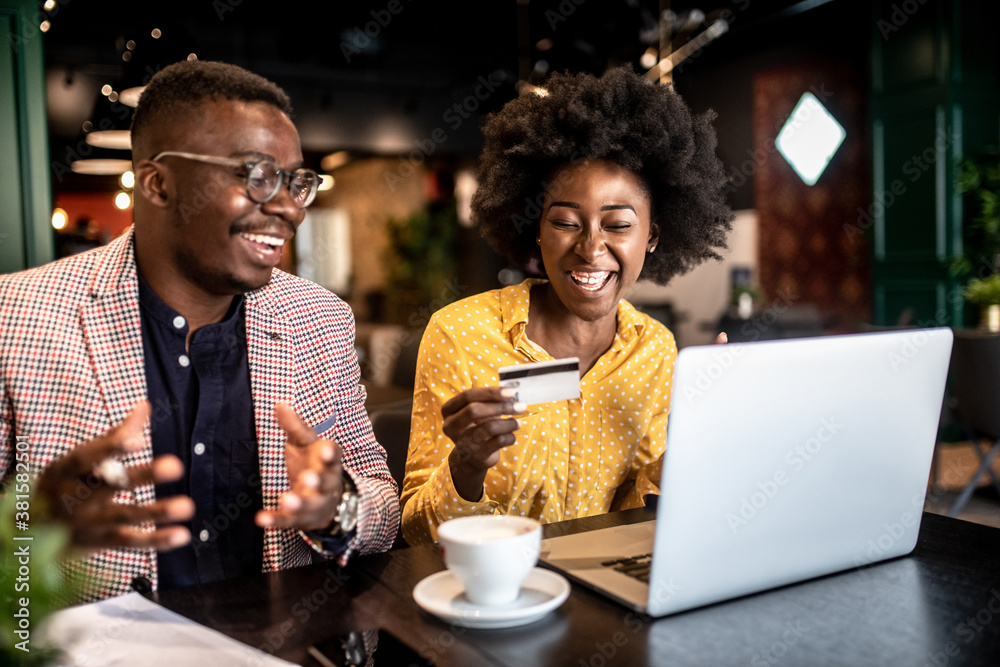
x,y
202,412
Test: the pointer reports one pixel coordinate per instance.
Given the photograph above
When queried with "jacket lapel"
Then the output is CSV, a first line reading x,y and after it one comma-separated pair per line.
x,y
113,332
272,380
112,329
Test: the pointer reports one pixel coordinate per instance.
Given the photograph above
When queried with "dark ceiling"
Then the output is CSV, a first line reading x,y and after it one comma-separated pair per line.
x,y
369,77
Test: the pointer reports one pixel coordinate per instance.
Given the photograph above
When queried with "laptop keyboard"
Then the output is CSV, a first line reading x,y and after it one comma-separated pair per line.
x,y
633,566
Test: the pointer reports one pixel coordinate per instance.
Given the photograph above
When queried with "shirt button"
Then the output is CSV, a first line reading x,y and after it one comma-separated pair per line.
x,y
199,448
179,322
203,536
184,361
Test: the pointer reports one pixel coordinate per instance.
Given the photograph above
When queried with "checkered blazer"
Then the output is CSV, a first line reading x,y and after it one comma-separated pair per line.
x,y
71,366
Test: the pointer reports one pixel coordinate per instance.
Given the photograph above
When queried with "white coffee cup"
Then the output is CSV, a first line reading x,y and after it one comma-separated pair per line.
x,y
490,554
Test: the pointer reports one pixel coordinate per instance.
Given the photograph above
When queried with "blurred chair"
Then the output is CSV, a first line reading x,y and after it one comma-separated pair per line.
x,y
404,371
391,425
975,388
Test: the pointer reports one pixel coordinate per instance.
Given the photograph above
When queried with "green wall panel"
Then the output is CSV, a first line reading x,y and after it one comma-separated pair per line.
x,y
25,189
934,99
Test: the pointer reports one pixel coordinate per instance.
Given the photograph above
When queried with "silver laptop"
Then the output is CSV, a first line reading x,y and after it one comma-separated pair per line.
x,y
786,460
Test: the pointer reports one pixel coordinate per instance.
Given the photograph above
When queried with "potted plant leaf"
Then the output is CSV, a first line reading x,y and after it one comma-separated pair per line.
x,y
979,181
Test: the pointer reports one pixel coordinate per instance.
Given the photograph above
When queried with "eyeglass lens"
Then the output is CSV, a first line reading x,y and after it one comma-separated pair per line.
x,y
265,180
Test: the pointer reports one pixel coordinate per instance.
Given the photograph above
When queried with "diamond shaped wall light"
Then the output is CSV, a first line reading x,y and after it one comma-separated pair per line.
x,y
809,138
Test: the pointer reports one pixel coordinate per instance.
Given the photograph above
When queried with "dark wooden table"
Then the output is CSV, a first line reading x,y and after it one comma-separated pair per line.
x,y
939,607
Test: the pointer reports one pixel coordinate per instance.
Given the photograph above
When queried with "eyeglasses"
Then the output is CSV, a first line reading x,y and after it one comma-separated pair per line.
x,y
264,178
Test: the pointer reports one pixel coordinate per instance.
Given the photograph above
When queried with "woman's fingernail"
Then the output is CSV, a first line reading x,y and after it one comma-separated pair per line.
x,y
507,392
520,407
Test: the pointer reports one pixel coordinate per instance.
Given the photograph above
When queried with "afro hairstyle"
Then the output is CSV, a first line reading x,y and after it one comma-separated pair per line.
x,y
621,118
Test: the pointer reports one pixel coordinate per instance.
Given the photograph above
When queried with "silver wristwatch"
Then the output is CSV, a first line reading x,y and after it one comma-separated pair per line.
x,y
346,517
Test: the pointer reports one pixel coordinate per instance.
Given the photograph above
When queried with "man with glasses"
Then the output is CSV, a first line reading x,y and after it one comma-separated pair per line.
x,y
192,413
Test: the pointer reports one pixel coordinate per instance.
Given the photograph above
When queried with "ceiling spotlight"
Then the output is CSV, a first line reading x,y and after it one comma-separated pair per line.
x,y
326,183
122,200
101,167
156,34
119,140
49,5
106,89
544,44
525,87
694,19
59,218
334,160
127,180
130,45
130,96
45,25
648,59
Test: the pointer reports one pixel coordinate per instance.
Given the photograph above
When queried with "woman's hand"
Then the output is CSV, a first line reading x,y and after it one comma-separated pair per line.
x,y
478,422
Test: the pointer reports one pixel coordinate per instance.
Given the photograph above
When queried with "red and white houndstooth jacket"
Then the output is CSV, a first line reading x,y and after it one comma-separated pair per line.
x,y
71,367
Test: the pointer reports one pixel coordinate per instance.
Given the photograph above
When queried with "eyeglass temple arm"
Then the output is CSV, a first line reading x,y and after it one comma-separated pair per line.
x,y
224,161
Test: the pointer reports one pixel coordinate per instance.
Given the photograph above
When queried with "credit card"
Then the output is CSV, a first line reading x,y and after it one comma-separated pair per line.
x,y
544,381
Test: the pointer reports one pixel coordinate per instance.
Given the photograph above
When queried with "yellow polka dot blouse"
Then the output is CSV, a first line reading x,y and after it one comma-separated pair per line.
x,y
570,457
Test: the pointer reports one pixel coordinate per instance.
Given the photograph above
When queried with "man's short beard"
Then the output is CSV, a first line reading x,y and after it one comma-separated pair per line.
x,y
214,281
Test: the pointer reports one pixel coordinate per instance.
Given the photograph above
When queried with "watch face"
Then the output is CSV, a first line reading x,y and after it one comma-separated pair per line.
x,y
349,511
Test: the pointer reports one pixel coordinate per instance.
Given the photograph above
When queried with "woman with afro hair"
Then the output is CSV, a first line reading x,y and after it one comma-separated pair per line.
x,y
590,183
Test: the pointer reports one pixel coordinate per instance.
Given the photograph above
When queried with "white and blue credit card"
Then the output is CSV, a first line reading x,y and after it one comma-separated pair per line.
x,y
544,381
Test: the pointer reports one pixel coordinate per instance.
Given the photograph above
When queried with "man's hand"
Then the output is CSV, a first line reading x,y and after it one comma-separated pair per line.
x,y
71,492
314,474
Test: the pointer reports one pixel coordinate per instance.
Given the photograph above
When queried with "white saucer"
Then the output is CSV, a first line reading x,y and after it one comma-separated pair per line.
x,y
443,595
